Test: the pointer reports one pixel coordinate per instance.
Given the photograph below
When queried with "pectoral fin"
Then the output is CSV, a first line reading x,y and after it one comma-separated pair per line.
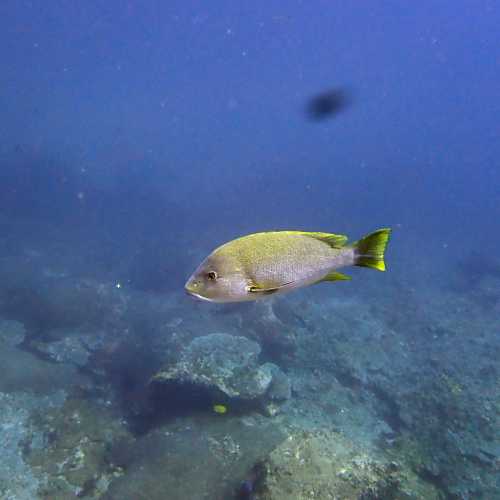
x,y
254,288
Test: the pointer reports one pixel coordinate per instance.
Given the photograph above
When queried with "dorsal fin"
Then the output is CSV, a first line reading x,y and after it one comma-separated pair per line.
x,y
334,240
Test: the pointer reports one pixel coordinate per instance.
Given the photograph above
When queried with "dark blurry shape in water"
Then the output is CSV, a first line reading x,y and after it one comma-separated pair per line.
x,y
246,491
249,486
261,264
328,104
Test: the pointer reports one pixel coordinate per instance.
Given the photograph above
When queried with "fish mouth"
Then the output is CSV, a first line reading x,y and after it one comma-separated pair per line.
x,y
195,295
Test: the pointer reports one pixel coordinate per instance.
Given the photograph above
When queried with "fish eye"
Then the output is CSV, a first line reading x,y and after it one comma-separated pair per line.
x,y
212,275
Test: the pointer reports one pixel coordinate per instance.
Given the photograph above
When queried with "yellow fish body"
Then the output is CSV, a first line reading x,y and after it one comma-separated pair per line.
x,y
261,264
220,409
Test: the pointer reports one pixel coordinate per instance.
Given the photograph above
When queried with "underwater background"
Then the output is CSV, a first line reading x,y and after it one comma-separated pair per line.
x,y
135,137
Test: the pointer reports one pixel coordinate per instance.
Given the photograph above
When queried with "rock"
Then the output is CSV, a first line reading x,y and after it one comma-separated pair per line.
x,y
12,333
192,458
22,371
280,388
326,465
47,311
75,347
277,337
68,350
229,365
72,455
17,479
270,409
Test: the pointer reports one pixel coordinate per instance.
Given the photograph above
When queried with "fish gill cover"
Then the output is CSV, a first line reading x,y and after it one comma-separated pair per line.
x,y
137,137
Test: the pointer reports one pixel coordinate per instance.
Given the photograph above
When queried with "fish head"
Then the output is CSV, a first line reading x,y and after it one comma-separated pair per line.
x,y
219,278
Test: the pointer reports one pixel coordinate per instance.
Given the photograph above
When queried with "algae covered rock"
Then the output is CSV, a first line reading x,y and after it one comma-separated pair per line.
x,y
326,465
192,459
227,364
70,449
18,480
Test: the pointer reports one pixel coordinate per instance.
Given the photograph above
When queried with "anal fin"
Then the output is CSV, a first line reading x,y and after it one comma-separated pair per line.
x,y
336,277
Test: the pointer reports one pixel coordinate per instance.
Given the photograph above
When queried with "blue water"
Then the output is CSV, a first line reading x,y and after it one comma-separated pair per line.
x,y
137,136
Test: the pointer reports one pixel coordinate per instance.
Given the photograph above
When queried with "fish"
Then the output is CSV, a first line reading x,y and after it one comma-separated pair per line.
x,y
262,264
220,409
248,487
328,104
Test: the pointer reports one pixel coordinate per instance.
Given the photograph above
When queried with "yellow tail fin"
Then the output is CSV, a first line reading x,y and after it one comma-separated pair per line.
x,y
369,251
